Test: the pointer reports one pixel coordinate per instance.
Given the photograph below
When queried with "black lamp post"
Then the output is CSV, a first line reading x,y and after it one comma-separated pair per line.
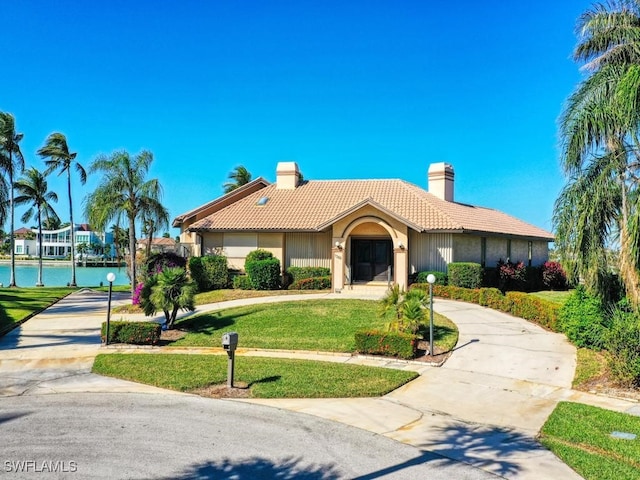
x,y
110,278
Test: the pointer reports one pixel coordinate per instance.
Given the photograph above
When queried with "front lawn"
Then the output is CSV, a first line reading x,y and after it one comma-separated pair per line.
x,y
317,325
559,297
18,304
265,377
581,436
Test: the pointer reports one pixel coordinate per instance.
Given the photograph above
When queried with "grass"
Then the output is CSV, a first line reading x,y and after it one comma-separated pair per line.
x,y
559,297
266,377
19,304
591,365
319,325
581,436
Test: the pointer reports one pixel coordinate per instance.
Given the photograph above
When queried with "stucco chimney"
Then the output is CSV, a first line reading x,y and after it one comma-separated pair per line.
x,y
287,175
441,181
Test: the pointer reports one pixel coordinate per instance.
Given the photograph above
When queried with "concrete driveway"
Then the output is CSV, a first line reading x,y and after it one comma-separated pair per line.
x,y
484,407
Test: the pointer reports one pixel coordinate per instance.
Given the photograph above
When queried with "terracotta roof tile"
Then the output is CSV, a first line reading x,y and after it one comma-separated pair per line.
x,y
316,204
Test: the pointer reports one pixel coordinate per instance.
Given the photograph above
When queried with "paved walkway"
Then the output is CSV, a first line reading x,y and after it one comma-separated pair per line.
x,y
483,407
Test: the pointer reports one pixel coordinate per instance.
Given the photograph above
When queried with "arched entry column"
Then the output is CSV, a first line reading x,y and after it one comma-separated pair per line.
x,y
350,235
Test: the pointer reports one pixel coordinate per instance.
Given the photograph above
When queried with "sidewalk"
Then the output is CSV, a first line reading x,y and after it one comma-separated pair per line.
x,y
483,407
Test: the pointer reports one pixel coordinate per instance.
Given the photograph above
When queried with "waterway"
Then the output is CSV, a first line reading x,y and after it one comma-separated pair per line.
x,y
60,275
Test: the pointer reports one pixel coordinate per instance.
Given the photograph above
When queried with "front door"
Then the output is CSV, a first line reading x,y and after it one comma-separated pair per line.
x,y
371,259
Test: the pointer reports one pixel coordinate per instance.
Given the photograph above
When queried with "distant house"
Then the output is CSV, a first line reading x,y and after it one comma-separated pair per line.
x,y
158,244
362,230
57,243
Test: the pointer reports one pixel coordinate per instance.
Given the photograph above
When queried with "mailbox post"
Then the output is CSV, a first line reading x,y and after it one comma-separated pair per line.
x,y
230,343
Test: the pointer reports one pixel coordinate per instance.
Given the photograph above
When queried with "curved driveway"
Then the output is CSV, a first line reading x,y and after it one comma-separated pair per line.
x,y
483,407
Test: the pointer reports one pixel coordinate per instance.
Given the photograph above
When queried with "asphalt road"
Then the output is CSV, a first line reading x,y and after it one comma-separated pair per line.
x,y
139,436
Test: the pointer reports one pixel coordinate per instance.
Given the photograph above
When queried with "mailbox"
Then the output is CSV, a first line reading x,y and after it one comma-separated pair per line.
x,y
230,341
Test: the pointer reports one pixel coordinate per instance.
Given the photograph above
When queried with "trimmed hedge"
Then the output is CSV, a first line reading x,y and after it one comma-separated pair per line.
x,y
210,272
583,320
441,277
465,274
242,282
300,273
263,270
312,283
136,333
519,304
395,344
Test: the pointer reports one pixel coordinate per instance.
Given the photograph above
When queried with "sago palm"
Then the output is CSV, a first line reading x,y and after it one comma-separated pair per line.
x,y
58,158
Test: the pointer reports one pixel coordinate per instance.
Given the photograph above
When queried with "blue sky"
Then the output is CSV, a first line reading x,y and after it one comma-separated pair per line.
x,y
375,89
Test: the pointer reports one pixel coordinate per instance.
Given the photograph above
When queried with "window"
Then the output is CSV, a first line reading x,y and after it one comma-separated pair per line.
x,y
509,250
263,201
483,251
530,252
18,248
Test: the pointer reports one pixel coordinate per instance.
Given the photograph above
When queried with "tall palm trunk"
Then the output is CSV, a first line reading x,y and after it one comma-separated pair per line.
x,y
132,252
12,280
39,282
73,235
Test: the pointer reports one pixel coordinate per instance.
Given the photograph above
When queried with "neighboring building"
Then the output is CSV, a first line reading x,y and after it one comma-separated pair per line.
x,y
158,244
57,243
363,230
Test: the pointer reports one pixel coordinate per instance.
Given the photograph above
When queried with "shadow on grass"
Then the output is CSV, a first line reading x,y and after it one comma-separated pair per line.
x,y
273,378
208,322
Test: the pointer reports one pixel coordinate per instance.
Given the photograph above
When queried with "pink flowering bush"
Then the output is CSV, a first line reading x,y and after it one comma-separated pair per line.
x,y
137,293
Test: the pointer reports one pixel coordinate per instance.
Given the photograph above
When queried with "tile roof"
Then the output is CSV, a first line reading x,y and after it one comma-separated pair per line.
x,y
315,205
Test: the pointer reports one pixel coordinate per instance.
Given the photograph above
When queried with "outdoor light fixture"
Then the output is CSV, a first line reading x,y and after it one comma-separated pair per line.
x,y
401,246
431,279
110,278
338,245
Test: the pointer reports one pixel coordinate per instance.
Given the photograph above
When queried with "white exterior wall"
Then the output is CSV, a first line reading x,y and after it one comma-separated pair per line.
x,y
429,251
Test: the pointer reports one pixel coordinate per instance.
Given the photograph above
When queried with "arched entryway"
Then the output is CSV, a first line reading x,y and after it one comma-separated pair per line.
x,y
371,259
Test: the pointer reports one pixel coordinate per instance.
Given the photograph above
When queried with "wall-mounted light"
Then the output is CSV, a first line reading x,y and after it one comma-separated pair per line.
x,y
401,246
338,245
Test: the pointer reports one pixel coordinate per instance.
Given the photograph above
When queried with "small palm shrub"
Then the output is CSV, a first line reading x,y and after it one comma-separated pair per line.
x,y
170,291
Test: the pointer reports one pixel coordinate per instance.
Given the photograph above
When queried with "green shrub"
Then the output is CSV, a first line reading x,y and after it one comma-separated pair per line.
x,y
492,298
300,273
395,344
313,283
465,275
256,255
582,319
534,309
210,272
441,277
623,344
242,282
136,333
159,261
264,274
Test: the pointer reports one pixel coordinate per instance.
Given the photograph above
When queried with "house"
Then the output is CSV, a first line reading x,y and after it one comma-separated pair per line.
x,y
362,230
57,243
158,244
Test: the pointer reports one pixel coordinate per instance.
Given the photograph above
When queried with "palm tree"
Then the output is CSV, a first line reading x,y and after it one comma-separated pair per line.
x,y
239,176
152,221
57,155
124,191
12,163
170,290
33,189
601,151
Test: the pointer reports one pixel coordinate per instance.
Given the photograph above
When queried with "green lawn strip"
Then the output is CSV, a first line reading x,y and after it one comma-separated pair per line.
x,y
224,295
581,436
318,325
266,377
590,365
20,304
559,297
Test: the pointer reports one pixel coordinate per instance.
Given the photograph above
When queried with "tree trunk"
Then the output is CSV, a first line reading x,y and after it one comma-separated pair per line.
x,y
132,251
39,282
629,267
12,280
73,240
